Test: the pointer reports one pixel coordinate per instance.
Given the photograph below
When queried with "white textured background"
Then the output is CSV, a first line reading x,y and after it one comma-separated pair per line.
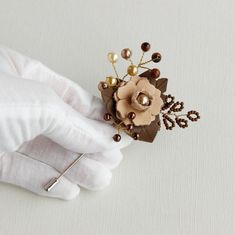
x,y
184,183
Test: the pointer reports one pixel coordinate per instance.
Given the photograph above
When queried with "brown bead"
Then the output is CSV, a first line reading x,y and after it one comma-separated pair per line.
x,y
168,102
102,86
107,117
131,115
117,137
129,127
177,106
145,46
168,122
193,115
156,57
126,53
136,136
155,73
182,123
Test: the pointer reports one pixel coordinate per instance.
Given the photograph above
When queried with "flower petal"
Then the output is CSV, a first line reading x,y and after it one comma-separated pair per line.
x,y
124,107
135,79
145,85
156,105
115,96
126,91
157,102
143,118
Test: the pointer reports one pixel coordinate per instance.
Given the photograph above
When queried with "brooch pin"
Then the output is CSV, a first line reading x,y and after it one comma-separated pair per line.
x,y
136,103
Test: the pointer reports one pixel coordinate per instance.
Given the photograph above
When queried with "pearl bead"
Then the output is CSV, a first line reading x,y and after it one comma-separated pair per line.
x,y
145,46
126,53
143,99
111,81
132,70
112,57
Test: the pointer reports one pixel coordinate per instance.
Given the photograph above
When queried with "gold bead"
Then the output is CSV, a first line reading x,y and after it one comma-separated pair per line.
x,y
143,100
126,53
111,81
132,70
112,57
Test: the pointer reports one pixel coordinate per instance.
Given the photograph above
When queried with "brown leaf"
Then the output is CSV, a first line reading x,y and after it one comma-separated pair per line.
x,y
163,97
161,84
148,133
148,74
107,94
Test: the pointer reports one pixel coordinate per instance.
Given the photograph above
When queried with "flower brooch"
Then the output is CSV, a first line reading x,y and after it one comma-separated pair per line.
x,y
136,103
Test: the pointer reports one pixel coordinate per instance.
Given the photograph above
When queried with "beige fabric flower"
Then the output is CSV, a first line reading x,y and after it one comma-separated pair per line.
x,y
140,97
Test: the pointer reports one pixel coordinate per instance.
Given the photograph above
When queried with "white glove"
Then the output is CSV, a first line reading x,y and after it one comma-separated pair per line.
x,y
50,118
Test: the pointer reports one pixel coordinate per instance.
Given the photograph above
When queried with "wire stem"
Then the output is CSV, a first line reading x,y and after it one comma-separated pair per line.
x,y
115,70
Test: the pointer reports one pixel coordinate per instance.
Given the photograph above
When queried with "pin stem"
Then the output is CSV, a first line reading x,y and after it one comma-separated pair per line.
x,y
54,181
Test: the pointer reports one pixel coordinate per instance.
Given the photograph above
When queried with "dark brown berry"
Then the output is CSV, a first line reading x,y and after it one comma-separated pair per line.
x,y
131,115
155,73
136,136
145,46
156,57
129,127
107,117
117,137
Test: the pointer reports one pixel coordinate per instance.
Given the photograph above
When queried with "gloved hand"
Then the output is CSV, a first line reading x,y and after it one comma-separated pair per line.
x,y
50,118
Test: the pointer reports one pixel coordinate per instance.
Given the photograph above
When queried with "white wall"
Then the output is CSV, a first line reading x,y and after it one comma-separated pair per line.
x,y
184,182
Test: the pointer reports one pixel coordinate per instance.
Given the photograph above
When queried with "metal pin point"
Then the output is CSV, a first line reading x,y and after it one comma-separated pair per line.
x,y
54,181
